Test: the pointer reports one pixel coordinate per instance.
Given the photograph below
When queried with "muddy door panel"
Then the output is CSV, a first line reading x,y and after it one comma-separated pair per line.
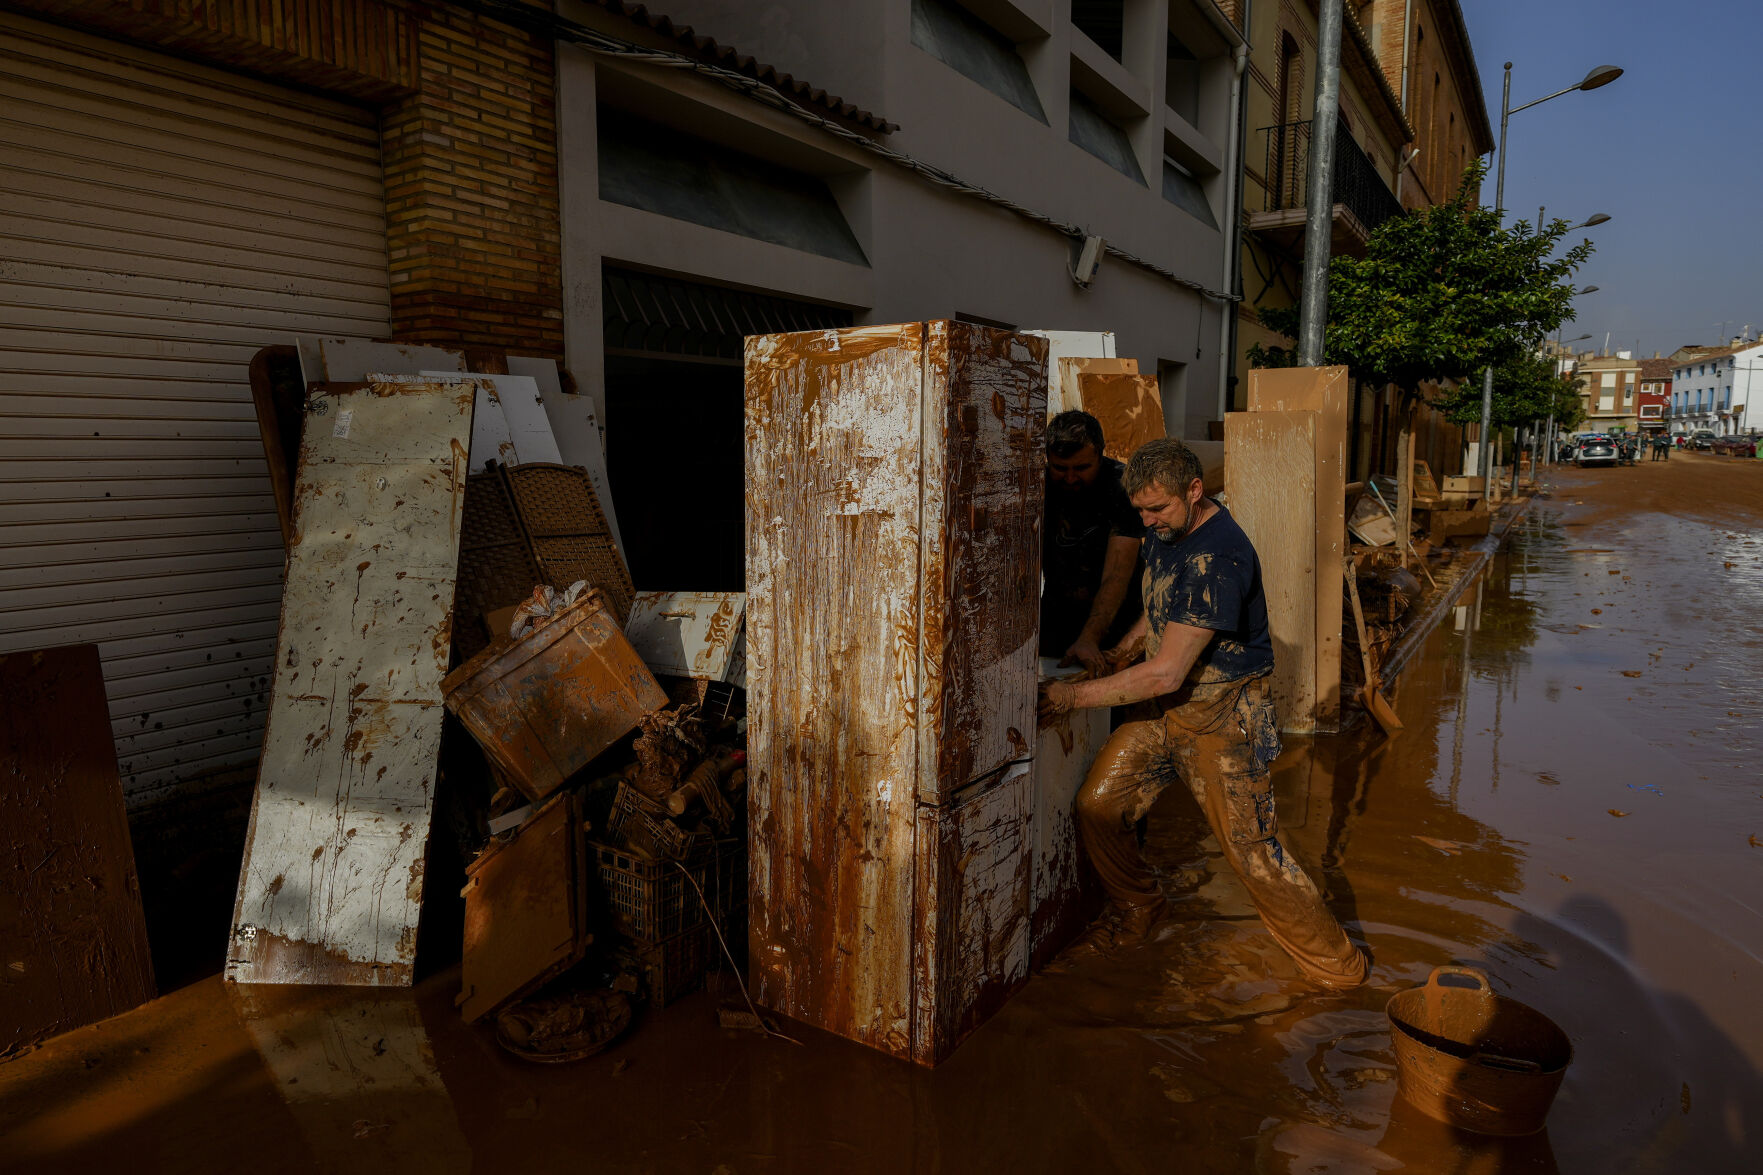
x,y
984,478
832,431
332,876
975,862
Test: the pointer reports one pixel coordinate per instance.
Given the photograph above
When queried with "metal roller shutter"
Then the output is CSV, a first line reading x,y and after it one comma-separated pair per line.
x,y
160,222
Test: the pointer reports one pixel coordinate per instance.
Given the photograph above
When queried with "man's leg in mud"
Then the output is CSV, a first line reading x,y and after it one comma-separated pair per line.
x,y
1128,775
1234,787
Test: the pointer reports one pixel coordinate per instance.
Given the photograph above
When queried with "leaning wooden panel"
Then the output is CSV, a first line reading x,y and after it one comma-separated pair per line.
x,y
1129,409
1270,471
833,423
980,550
1327,392
332,877
74,938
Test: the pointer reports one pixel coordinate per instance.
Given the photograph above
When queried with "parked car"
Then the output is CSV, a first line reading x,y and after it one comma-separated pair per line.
x,y
1702,439
1595,451
1742,444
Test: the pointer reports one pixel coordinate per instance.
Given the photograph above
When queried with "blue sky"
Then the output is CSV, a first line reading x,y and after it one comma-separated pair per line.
x,y
1672,150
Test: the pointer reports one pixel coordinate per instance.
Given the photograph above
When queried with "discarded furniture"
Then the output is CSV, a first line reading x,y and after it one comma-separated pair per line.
x,y
544,706
526,908
894,486
526,525
691,634
332,877
1287,479
1072,344
73,942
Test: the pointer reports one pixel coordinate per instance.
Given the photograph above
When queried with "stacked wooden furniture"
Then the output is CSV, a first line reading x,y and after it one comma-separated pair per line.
x,y
894,489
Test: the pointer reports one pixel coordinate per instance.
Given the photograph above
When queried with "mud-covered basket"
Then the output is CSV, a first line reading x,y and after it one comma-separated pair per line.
x,y
1475,1059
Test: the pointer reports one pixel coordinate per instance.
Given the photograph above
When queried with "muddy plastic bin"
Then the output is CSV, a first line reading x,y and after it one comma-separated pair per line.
x,y
544,706
1474,1059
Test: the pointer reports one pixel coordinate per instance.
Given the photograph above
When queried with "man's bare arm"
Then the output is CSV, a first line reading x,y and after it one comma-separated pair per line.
x,y
1161,674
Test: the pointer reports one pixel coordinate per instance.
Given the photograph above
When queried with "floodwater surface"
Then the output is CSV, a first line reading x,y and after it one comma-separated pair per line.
x,y
1575,806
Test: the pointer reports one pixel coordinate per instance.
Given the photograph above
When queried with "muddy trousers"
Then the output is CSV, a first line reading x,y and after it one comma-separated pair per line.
x,y
1220,739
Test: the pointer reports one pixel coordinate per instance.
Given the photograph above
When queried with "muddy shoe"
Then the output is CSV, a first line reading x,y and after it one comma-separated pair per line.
x,y
1118,927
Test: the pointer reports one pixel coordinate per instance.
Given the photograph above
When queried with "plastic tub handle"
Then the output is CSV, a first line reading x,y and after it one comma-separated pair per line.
x,y
1479,976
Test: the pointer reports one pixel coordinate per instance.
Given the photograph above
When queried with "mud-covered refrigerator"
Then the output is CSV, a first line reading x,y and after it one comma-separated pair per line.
x,y
894,487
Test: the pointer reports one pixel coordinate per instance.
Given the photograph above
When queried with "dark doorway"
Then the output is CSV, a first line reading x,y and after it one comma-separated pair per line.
x,y
675,455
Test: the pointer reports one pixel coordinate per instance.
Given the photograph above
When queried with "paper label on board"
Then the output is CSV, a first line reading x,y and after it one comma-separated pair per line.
x,y
340,429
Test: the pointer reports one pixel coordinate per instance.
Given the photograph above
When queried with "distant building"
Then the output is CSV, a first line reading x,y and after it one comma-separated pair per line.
x,y
1609,389
1654,397
1711,388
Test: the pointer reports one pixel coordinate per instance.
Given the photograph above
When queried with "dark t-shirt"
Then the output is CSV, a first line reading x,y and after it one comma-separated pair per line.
x,y
1074,546
1210,578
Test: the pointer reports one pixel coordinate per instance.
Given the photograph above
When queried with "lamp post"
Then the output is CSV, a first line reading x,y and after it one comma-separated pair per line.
x,y
1549,434
1602,75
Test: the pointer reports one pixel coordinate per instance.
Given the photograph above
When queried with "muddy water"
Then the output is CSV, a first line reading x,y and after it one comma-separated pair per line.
x,y
1482,835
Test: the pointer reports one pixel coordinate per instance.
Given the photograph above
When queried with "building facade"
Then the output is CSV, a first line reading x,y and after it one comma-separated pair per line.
x,y
1609,391
1712,388
1654,399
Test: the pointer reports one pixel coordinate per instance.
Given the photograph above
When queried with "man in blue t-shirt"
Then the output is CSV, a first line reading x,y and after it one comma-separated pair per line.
x,y
1206,718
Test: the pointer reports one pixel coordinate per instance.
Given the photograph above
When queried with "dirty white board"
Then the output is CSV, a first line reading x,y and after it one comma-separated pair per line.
x,y
508,424
689,634
1069,371
350,360
576,429
332,876
1064,752
1070,344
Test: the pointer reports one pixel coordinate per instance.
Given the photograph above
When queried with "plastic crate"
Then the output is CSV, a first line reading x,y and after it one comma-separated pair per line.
x,y
672,968
651,901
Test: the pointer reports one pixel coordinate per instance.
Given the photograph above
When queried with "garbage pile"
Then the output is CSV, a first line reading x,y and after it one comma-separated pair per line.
x,y
616,865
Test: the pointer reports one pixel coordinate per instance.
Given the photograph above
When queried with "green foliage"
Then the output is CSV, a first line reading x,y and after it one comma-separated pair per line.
x,y
1526,389
1440,294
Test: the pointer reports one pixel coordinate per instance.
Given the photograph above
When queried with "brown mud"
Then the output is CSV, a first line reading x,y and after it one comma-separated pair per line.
x,y
1480,835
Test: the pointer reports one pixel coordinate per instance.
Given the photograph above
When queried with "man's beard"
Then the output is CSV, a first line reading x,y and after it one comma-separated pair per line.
x,y
1170,534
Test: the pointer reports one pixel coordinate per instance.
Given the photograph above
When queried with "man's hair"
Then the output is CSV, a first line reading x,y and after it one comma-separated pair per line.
x,y
1069,432
1165,461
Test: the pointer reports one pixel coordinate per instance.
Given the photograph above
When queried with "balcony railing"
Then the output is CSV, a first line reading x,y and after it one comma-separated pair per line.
x,y
1357,185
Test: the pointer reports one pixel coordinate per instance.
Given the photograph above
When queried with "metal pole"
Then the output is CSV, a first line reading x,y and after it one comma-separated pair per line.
x,y
1487,383
1319,184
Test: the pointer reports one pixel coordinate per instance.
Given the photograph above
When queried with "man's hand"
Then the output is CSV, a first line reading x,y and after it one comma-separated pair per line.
x,y
1056,699
1086,652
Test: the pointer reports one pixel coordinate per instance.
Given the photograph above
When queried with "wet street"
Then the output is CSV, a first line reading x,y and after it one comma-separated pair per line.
x,y
1576,806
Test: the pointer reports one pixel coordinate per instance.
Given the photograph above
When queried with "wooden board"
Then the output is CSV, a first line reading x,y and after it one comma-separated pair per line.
x,y
508,422
833,429
975,864
980,552
1070,344
525,909
353,360
1129,407
332,875
73,943
1326,391
1068,368
1270,465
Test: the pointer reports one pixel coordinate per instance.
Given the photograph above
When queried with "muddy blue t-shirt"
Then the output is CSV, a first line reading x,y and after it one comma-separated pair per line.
x,y
1210,578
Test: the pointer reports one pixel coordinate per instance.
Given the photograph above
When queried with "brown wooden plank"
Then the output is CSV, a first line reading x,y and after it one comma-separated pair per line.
x,y
1129,407
1071,367
73,942
1326,391
1270,469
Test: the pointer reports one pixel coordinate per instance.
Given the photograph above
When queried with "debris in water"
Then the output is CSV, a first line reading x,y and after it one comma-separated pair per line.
x,y
1617,812
1652,787
1597,611
1755,843
1563,877
1631,673
1448,847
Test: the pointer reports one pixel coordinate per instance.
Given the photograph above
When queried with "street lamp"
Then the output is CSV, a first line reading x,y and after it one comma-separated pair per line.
x,y
1586,290
1601,75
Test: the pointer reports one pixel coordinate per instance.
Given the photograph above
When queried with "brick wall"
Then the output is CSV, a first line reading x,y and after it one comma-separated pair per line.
x,y
468,132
